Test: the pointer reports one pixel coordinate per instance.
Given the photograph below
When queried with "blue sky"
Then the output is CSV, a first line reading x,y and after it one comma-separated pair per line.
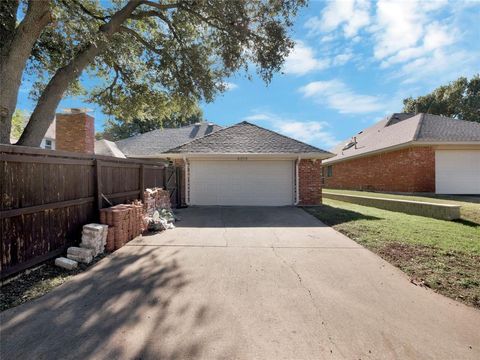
x,y
353,63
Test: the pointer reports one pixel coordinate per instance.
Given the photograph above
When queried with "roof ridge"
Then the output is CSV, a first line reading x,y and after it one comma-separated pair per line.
x,y
202,137
242,123
419,126
285,136
168,128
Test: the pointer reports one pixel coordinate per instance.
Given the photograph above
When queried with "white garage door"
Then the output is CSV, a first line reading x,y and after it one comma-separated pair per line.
x,y
255,182
457,171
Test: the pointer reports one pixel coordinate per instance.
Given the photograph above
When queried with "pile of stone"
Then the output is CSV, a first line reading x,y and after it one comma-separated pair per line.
x,y
162,219
156,198
158,210
124,221
94,239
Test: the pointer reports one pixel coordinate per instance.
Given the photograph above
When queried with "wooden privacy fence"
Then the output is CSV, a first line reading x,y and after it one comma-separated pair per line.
x,y
47,196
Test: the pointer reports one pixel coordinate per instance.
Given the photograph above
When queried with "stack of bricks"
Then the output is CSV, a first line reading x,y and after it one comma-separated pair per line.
x,y
125,222
156,198
94,237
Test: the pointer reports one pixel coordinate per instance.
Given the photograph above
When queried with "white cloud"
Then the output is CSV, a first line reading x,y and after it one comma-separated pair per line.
x,y
405,29
411,40
437,37
313,132
437,66
302,60
342,59
230,86
337,95
351,15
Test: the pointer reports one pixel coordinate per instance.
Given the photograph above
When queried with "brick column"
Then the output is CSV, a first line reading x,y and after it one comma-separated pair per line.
x,y
310,182
75,132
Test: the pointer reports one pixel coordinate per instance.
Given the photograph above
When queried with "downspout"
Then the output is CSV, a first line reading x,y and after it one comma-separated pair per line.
x,y
297,189
187,193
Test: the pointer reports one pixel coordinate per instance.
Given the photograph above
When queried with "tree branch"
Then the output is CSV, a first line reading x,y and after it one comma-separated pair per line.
x,y
144,14
161,7
111,86
84,9
141,39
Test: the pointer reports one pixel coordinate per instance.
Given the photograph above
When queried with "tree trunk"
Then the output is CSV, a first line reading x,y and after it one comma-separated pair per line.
x,y
15,51
44,111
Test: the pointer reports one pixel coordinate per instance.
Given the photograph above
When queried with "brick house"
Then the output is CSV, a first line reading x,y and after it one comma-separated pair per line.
x,y
242,164
72,130
409,153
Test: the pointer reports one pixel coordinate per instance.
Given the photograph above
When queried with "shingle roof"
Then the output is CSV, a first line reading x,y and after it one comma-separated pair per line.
x,y
107,148
158,141
245,138
439,128
401,129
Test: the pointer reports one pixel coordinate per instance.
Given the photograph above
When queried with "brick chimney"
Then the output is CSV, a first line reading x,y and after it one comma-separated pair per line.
x,y
75,131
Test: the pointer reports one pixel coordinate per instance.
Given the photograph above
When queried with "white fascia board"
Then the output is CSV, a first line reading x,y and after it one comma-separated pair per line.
x,y
249,156
404,145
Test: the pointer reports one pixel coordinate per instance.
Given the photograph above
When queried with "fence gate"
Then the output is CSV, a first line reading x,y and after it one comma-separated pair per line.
x,y
171,184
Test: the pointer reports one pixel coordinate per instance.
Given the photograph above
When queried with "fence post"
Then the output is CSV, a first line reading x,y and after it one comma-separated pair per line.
x,y
142,183
98,170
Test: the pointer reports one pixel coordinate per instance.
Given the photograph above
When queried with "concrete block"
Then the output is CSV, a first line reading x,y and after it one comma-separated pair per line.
x,y
94,228
66,263
79,251
83,259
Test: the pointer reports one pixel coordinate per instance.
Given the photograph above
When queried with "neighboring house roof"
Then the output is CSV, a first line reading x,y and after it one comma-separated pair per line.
x,y
108,148
402,129
243,138
439,128
158,141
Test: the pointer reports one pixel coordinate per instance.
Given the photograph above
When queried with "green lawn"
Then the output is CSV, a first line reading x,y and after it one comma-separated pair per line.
x,y
470,205
443,255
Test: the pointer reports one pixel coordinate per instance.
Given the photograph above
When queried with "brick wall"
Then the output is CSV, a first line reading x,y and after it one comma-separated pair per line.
x,y
75,132
405,170
310,182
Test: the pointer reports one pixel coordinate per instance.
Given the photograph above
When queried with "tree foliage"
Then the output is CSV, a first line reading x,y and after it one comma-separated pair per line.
x,y
18,123
116,129
459,99
145,54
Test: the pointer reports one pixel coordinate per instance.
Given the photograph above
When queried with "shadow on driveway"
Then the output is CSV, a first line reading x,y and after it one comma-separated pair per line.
x,y
120,308
245,217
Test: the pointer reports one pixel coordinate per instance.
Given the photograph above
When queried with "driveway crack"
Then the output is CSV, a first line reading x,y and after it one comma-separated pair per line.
x,y
308,291
224,235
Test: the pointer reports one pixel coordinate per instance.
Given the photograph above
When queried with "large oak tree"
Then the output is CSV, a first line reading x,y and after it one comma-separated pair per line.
x,y
147,54
459,99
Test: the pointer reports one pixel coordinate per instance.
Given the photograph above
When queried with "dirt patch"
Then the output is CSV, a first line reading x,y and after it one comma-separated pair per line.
x,y
451,273
37,282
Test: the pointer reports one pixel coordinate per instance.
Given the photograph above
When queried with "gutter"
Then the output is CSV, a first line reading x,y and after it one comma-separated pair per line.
x,y
250,156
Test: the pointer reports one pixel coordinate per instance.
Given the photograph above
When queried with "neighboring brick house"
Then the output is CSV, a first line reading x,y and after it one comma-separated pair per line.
x,y
75,131
243,164
72,130
409,153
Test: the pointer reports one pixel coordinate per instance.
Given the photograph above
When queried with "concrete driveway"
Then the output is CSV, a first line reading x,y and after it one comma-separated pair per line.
x,y
242,283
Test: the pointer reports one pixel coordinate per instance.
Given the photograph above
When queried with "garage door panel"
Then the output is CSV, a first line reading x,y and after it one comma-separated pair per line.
x,y
457,171
257,183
